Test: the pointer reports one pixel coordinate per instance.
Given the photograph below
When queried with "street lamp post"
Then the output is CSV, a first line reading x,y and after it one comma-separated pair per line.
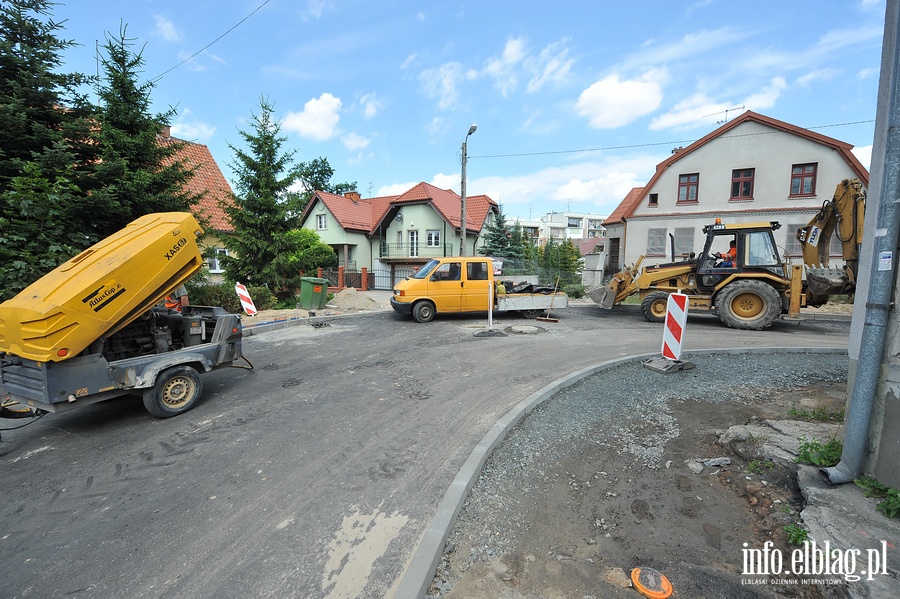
x,y
462,189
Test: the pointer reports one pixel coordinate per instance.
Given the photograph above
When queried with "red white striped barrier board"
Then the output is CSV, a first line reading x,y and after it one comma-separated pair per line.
x,y
676,320
246,302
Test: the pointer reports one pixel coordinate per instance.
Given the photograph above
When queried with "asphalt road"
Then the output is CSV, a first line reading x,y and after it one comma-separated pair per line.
x,y
314,475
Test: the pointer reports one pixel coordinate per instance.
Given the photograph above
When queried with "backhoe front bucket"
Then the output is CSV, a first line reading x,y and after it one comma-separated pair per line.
x,y
608,294
603,297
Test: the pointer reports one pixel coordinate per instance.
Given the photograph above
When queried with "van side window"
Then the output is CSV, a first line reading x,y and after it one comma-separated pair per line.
x,y
476,271
448,271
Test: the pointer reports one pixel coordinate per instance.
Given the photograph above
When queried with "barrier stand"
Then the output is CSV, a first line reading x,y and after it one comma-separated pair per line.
x,y
490,332
673,335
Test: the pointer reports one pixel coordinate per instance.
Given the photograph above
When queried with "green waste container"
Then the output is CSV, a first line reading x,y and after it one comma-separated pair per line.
x,y
313,293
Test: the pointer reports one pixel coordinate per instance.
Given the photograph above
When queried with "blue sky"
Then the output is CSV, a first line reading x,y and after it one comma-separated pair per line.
x,y
575,101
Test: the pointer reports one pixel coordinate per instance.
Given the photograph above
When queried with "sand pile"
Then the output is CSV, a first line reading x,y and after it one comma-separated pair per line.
x,y
351,299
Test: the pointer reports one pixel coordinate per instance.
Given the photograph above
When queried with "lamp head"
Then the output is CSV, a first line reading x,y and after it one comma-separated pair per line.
x,y
472,130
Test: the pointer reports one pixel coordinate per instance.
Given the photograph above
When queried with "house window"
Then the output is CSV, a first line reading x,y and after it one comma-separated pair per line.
x,y
656,242
684,241
433,238
413,244
574,223
321,222
803,179
687,187
742,184
793,247
654,200
214,263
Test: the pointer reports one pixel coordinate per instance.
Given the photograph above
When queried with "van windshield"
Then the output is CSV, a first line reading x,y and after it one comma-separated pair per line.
x,y
423,272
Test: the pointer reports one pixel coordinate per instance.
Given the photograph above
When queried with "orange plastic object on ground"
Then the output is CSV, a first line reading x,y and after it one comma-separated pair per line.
x,y
651,583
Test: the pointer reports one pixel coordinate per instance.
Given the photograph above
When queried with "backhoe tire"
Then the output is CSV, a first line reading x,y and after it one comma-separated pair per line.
x,y
423,311
531,313
176,391
748,304
654,306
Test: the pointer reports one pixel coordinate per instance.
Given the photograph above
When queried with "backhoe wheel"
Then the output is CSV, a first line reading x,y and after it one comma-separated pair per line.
x,y
654,306
748,304
177,390
531,313
423,311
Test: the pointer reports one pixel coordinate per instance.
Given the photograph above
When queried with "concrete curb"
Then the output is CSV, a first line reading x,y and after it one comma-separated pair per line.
x,y
420,570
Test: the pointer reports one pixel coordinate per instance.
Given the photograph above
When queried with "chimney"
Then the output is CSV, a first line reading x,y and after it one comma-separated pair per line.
x,y
166,131
353,196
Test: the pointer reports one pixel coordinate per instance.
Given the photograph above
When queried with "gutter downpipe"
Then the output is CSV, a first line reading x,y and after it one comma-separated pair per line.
x,y
882,264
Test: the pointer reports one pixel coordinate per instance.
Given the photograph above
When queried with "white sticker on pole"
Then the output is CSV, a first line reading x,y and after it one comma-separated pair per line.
x,y
246,302
673,331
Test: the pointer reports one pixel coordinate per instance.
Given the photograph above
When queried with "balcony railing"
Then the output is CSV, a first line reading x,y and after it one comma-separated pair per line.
x,y
415,250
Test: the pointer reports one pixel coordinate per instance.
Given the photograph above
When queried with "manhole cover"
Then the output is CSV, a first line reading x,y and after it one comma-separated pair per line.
x,y
524,329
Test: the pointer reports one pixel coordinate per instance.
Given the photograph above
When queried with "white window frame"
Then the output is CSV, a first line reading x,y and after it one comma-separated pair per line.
x,y
321,222
213,263
433,238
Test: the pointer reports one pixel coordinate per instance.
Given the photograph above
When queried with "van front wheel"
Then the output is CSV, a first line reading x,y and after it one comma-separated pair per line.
x,y
423,312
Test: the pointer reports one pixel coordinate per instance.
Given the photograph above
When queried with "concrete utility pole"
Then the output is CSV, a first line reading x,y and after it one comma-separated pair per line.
x,y
462,189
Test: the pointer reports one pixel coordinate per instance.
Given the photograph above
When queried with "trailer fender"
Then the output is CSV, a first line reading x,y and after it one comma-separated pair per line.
x,y
147,377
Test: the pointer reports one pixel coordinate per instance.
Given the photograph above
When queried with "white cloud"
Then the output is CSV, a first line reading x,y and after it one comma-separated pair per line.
x,y
354,141
503,69
196,63
701,111
766,97
166,29
612,102
442,83
315,9
552,64
817,75
371,104
442,181
394,189
193,131
866,73
692,44
864,155
318,120
409,61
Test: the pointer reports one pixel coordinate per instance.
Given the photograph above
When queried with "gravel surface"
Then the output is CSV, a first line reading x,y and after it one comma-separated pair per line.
x,y
568,460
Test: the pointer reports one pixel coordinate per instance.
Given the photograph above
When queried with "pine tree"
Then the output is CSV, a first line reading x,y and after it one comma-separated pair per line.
x,y
497,237
262,212
138,172
45,148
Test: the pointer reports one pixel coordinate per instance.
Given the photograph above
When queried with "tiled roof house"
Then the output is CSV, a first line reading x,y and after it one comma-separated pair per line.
x,y
397,232
754,168
207,178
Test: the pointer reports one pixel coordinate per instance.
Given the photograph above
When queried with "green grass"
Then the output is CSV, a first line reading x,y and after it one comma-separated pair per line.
x,y
760,466
814,453
817,414
890,497
796,534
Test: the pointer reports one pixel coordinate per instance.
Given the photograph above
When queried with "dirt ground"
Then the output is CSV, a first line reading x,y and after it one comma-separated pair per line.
x,y
602,513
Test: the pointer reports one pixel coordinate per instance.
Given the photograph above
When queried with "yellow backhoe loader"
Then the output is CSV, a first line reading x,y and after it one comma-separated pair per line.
x,y
758,287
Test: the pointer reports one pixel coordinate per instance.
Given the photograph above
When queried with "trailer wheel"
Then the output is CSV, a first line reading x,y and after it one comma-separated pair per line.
x,y
749,304
531,313
654,306
423,311
177,390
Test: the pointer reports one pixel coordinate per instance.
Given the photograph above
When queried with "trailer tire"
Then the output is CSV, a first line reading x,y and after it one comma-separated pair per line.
x,y
176,391
531,313
749,305
654,306
423,311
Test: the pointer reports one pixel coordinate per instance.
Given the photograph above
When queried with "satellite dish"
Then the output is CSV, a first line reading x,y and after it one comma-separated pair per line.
x,y
399,217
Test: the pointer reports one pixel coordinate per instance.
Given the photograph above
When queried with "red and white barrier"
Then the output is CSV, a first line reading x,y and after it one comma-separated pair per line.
x,y
246,302
676,321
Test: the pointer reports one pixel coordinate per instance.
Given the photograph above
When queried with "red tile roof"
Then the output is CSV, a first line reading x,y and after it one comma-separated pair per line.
x,y
626,206
366,214
587,246
207,178
629,204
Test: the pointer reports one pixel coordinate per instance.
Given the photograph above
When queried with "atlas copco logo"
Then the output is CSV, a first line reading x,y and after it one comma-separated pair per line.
x,y
176,248
103,295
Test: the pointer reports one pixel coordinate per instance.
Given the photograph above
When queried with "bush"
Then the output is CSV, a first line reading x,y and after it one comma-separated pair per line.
x,y
574,291
223,295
